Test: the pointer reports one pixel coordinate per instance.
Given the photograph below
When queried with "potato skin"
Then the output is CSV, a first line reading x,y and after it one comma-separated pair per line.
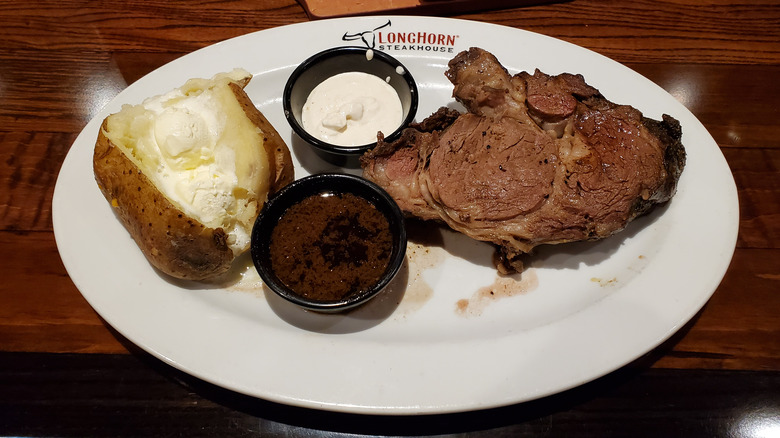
x,y
276,149
173,242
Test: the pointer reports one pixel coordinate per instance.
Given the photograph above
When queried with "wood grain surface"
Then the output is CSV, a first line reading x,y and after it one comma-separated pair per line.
x,y
127,396
62,61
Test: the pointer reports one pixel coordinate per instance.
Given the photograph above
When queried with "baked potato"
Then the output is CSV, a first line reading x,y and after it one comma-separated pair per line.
x,y
187,173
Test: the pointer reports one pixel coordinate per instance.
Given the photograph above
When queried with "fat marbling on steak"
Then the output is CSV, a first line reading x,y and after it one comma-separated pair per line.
x,y
537,159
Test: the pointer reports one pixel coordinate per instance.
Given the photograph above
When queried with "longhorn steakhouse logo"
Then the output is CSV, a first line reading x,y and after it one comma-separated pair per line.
x,y
382,38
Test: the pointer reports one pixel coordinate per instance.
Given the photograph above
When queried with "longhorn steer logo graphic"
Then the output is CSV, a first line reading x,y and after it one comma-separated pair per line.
x,y
368,37
418,40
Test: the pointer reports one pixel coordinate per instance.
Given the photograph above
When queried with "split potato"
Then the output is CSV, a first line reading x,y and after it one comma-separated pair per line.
x,y
187,173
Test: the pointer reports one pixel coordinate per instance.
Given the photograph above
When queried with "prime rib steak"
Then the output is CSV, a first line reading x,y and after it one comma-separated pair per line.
x,y
536,159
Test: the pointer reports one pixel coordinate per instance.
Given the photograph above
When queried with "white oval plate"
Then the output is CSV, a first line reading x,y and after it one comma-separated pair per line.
x,y
578,312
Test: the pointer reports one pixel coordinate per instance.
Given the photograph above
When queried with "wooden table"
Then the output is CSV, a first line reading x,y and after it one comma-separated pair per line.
x,y
63,372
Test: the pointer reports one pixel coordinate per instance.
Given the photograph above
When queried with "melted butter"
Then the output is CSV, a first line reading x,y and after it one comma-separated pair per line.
x,y
198,147
350,108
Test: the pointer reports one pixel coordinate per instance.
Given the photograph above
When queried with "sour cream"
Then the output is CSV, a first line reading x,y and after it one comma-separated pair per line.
x,y
350,108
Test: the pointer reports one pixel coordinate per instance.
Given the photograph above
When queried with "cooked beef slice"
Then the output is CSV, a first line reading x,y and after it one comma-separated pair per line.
x,y
536,159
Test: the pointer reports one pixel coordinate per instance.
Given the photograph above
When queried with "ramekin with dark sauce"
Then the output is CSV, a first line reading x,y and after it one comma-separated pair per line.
x,y
329,242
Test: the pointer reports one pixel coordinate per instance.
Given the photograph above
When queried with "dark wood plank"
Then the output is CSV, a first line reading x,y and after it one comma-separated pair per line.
x,y
136,395
757,175
739,327
29,165
156,25
40,307
717,31
639,31
737,112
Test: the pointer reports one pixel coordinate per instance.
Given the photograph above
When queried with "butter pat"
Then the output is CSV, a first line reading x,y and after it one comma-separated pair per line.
x,y
198,147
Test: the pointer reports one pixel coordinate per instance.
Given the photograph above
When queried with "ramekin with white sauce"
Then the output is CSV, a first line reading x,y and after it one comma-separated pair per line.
x,y
339,99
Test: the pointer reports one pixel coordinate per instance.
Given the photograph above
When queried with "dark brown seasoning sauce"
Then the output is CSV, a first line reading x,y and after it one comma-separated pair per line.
x,y
329,246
